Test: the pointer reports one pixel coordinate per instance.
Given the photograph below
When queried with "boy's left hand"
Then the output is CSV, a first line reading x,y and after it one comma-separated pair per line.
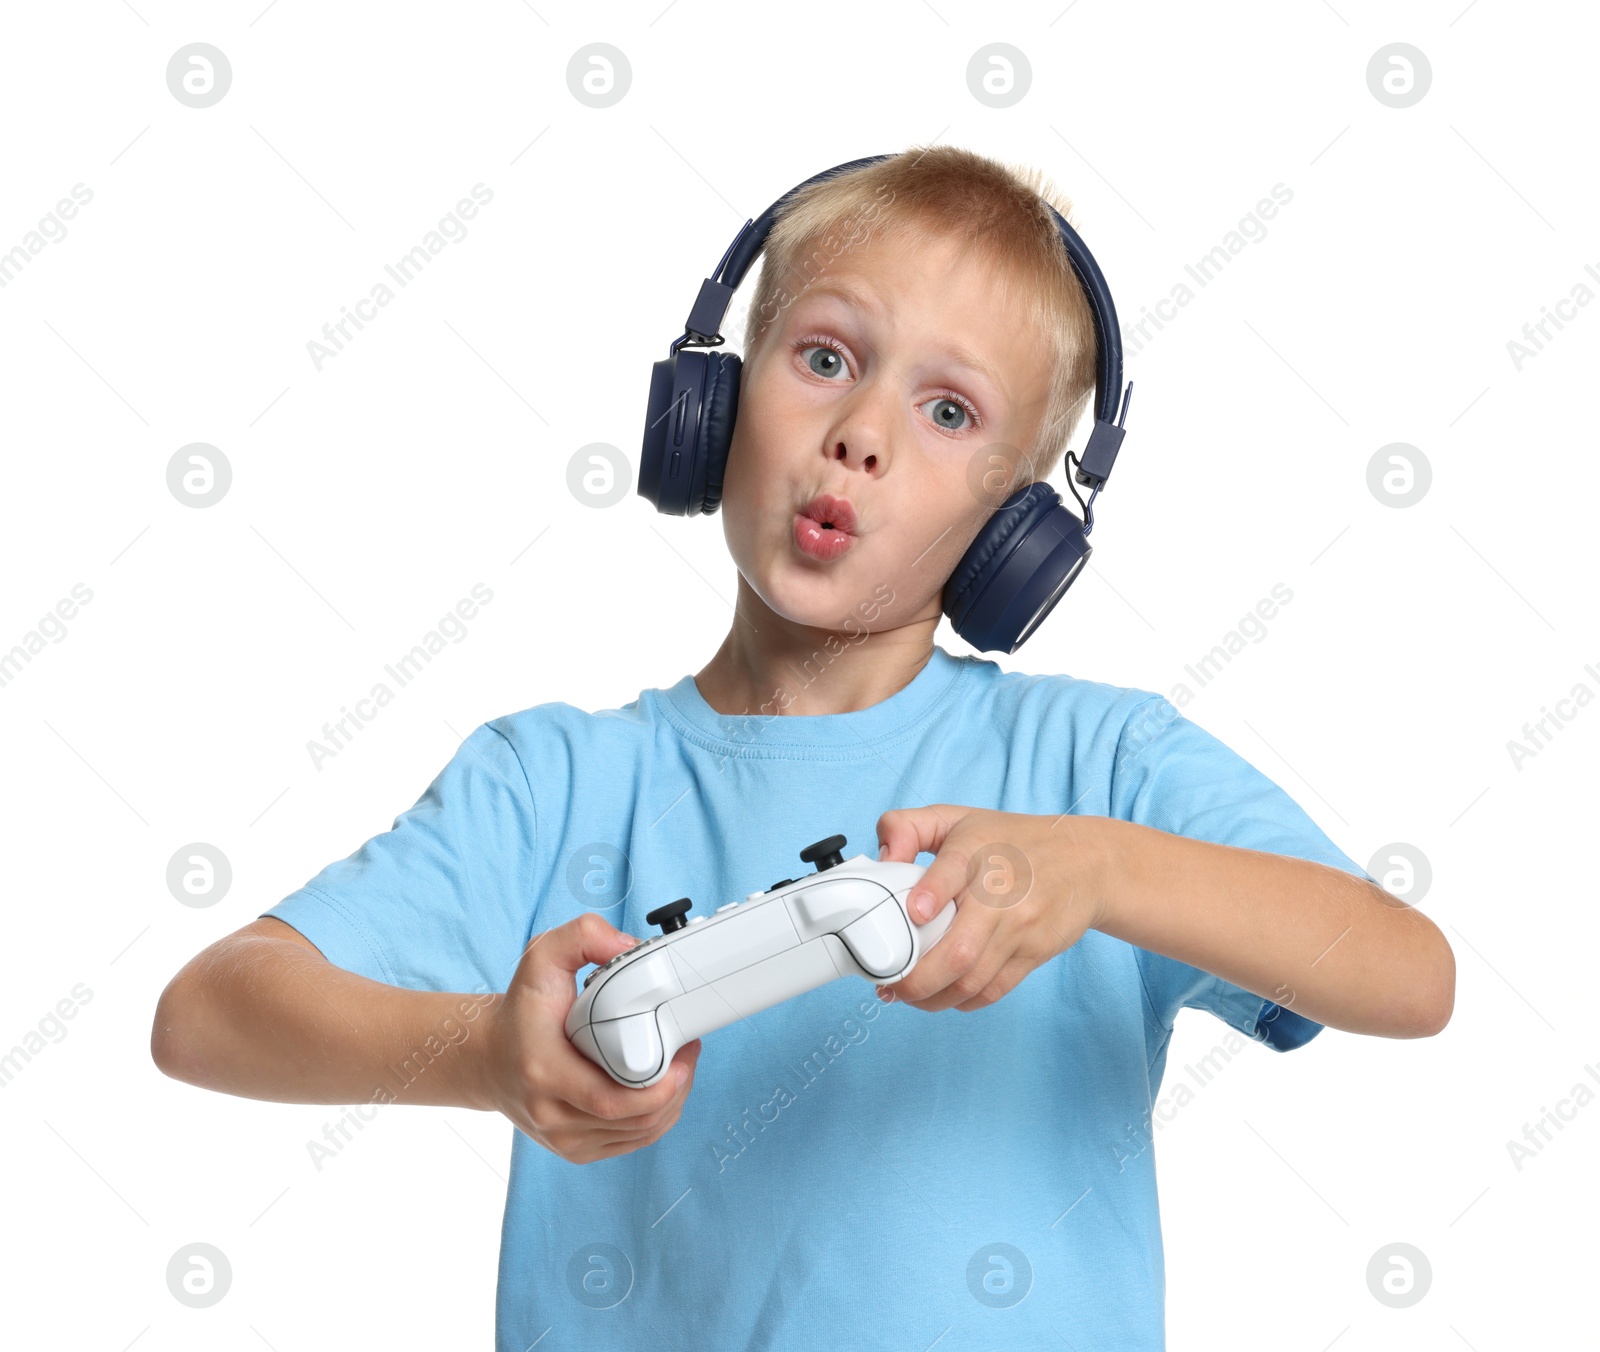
x,y
1026,888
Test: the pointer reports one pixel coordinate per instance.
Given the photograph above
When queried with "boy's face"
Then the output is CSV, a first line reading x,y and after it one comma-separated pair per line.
x,y
868,399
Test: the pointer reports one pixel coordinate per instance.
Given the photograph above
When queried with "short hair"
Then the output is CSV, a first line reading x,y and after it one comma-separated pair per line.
x,y
945,193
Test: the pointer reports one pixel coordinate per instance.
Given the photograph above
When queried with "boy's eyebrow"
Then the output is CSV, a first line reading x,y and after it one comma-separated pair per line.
x,y
865,300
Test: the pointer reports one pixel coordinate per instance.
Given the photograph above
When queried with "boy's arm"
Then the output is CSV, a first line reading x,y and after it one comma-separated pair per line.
x,y
1333,947
261,1013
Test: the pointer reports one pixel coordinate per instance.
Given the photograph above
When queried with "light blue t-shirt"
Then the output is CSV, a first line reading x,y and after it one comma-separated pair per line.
x,y
845,1173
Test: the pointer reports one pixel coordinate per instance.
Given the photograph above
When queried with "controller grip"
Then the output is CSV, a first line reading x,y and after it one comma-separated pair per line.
x,y
886,944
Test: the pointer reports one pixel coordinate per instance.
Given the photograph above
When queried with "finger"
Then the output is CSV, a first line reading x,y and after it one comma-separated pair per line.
x,y
635,1125
576,1080
555,956
649,1123
967,987
617,1128
906,832
934,830
599,1096
945,881
627,1144
1007,980
962,946
586,938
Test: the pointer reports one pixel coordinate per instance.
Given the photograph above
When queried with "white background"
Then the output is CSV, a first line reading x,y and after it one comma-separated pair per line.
x,y
368,497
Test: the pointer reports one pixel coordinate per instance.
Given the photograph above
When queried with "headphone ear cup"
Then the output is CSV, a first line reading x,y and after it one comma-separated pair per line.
x,y
1016,569
688,427
717,417
666,454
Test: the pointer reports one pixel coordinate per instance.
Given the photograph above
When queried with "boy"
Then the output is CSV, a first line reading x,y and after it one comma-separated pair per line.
x,y
840,1170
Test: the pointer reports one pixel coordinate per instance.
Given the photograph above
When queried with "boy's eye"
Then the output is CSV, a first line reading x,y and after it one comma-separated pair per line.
x,y
824,361
948,414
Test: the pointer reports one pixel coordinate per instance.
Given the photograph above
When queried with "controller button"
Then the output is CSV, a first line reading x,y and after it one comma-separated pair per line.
x,y
782,882
670,916
734,906
824,853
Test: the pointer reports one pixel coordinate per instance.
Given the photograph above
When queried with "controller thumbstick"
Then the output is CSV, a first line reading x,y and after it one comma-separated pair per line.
x,y
824,854
670,916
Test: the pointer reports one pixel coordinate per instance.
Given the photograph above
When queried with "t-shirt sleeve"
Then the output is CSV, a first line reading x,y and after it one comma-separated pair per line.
x,y
1173,775
444,899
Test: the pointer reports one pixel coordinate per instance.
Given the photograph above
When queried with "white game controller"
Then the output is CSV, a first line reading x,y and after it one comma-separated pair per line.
x,y
848,918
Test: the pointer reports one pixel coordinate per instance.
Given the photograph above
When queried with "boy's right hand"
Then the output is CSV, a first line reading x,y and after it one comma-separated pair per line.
x,y
546,1086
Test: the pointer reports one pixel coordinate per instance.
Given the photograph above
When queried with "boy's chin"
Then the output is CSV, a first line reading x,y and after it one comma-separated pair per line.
x,y
831,599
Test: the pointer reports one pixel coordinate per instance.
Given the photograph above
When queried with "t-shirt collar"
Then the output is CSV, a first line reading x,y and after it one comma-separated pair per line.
x,y
858,732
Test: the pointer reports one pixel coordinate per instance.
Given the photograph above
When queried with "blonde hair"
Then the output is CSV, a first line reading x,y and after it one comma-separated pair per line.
x,y
944,193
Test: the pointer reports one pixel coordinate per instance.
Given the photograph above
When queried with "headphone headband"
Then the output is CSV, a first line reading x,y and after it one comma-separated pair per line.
x,y
704,325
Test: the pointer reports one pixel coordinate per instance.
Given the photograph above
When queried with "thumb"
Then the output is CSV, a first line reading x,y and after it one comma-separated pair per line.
x,y
555,956
908,832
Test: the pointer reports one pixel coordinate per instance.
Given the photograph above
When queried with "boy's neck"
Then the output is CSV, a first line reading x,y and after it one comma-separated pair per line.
x,y
769,665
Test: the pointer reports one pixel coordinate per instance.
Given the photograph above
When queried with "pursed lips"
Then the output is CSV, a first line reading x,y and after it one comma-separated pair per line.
x,y
825,527
828,510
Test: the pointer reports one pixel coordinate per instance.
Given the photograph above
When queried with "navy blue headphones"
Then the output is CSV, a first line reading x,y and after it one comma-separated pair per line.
x,y
1028,552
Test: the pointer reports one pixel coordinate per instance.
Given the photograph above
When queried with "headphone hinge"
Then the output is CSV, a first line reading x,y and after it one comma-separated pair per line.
x,y
710,308
1094,465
